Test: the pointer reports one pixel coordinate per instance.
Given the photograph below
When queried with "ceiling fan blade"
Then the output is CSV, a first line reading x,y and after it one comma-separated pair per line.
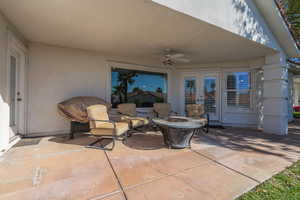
x,y
184,60
177,55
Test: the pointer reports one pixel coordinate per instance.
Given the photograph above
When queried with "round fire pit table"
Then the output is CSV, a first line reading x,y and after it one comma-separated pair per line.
x,y
178,131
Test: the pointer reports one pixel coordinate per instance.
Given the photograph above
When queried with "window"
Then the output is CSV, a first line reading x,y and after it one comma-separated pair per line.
x,y
238,90
190,90
210,94
139,87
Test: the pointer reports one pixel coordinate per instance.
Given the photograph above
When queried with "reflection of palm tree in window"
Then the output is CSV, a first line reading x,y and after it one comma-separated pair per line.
x,y
124,79
159,90
118,92
190,85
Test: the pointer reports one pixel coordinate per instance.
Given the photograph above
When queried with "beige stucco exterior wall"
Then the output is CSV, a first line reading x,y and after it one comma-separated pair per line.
x,y
237,16
56,74
4,109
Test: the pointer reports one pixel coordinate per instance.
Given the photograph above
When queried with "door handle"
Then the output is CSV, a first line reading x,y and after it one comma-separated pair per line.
x,y
19,99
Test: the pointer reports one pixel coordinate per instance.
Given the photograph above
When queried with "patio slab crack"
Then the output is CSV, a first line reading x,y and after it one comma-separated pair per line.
x,y
231,169
116,176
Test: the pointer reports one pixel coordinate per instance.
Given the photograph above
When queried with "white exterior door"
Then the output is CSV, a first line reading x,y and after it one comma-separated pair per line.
x,y
203,88
209,94
16,64
14,92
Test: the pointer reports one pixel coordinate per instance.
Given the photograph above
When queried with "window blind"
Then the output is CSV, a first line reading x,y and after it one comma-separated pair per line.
x,y
238,90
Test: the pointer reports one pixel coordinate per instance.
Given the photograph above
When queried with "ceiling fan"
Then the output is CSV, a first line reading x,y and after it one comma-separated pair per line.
x,y
171,57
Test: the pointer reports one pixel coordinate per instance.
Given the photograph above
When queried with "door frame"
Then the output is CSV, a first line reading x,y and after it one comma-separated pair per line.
x,y
201,76
198,74
17,48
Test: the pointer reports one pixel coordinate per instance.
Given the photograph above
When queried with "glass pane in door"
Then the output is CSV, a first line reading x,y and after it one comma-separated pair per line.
x,y
210,94
13,76
190,90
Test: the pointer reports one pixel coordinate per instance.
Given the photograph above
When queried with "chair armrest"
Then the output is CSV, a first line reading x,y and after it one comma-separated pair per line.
x,y
175,113
155,113
136,118
205,115
141,112
108,121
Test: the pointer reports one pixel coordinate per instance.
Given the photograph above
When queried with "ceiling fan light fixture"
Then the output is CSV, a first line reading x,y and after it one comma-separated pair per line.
x,y
168,62
171,57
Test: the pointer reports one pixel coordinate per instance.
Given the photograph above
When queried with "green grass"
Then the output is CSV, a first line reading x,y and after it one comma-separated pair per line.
x,y
283,186
296,114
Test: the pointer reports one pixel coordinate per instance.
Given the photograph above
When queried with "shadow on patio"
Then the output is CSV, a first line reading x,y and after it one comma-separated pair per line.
x,y
149,140
234,160
252,140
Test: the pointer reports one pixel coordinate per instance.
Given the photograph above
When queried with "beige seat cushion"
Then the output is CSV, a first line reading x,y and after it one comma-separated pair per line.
x,y
97,112
127,109
195,110
135,121
108,129
162,109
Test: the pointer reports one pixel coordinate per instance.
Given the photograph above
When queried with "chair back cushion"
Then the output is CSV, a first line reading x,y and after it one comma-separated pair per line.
x,y
75,109
194,110
128,109
97,112
162,109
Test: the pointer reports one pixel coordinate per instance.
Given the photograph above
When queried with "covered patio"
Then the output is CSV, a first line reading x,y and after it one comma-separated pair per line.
x,y
61,56
220,165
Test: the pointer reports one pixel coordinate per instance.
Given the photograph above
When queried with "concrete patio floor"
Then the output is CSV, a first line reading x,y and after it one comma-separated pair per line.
x,y
220,165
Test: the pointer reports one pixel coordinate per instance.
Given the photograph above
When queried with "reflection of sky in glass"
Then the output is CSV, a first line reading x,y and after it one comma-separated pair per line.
x,y
238,80
242,80
190,86
146,82
210,85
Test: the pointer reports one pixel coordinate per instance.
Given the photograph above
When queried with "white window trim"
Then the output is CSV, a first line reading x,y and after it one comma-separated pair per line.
x,y
252,93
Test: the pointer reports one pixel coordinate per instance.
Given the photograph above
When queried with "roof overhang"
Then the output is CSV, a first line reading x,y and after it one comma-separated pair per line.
x,y
277,24
134,29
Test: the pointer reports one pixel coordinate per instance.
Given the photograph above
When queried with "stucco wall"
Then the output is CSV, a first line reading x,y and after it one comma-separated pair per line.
x,y
238,16
4,109
56,74
290,96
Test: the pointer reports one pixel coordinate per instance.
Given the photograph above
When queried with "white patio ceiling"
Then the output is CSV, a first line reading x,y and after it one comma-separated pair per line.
x,y
131,28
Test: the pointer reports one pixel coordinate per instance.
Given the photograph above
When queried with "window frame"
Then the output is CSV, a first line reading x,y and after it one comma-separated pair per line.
x,y
251,90
143,70
190,78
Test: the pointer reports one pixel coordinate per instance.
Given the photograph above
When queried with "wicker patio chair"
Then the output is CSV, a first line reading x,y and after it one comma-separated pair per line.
x,y
163,110
197,111
75,111
129,113
103,128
